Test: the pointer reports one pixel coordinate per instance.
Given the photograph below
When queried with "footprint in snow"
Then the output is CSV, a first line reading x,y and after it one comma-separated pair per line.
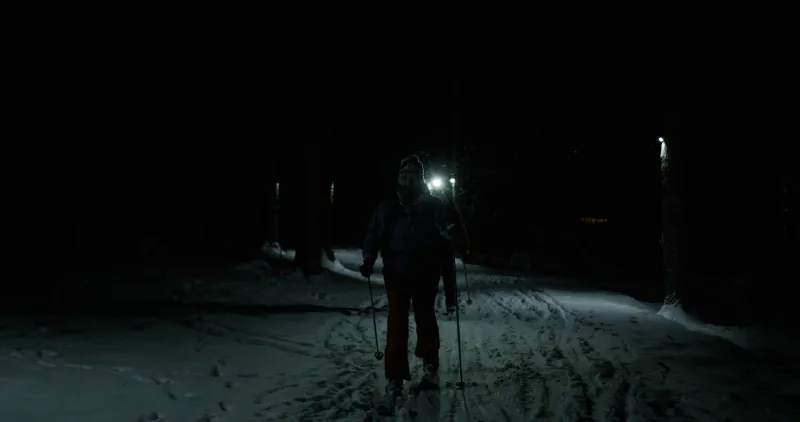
x,y
152,417
210,418
249,375
46,353
161,380
77,366
217,371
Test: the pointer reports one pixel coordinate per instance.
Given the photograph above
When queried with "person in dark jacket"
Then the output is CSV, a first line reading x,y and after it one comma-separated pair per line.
x,y
416,234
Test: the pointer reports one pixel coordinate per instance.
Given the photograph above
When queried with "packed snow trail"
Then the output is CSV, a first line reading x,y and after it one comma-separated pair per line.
x,y
529,353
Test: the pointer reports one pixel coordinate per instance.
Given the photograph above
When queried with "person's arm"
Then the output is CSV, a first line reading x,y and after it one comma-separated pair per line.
x,y
374,239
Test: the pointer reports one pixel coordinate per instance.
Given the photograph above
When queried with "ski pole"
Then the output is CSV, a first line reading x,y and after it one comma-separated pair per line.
x,y
378,353
460,383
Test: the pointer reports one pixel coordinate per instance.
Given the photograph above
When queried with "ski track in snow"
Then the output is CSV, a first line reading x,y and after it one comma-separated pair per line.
x,y
524,352
527,362
526,356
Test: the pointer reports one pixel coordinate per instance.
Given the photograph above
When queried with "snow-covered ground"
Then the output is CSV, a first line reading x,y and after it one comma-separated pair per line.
x,y
248,347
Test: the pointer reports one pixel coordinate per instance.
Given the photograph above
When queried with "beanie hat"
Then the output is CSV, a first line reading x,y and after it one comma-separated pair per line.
x,y
411,164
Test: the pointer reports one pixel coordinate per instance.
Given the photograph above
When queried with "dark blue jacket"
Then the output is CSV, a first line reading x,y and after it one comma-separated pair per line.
x,y
412,239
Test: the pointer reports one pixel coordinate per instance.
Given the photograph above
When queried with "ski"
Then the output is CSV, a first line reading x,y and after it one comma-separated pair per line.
x,y
425,401
412,408
386,406
389,407
427,387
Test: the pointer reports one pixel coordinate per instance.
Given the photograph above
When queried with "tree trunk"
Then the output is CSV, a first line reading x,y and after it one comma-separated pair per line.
x,y
249,238
309,250
327,221
744,198
673,167
328,168
273,188
673,224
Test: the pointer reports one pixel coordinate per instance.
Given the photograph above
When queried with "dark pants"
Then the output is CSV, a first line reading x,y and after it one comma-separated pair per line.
x,y
448,265
401,291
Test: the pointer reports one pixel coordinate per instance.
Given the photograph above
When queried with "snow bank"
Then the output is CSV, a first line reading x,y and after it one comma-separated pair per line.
x,y
346,263
735,335
338,268
352,258
275,251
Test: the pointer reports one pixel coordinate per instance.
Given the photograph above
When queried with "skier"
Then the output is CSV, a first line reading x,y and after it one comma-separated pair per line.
x,y
447,258
415,234
448,265
448,268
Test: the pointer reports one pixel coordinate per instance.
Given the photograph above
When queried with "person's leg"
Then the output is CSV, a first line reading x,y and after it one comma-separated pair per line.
x,y
449,277
396,352
424,297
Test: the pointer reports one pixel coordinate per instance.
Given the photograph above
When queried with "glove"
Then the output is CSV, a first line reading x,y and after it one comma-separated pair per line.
x,y
366,269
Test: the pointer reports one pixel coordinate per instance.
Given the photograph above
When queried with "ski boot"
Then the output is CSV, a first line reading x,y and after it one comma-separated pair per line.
x,y
394,389
430,378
